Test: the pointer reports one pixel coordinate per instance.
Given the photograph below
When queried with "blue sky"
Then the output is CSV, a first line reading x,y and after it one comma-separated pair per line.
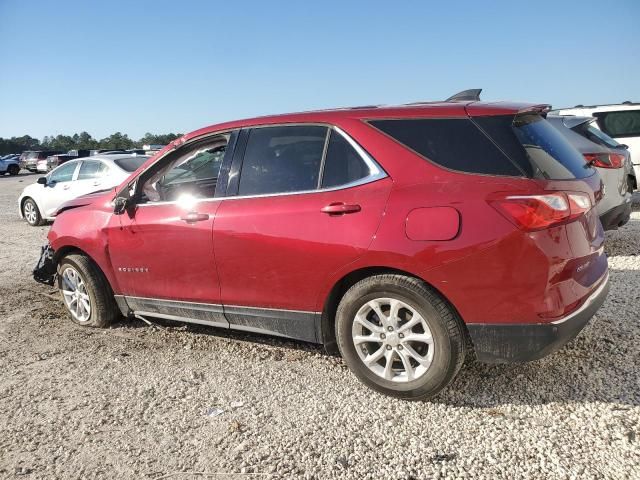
x,y
174,66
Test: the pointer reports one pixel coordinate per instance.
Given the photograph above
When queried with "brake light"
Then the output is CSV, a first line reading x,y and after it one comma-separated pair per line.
x,y
537,212
605,160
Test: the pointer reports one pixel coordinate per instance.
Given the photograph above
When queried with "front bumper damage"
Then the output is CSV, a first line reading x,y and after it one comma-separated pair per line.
x,y
45,271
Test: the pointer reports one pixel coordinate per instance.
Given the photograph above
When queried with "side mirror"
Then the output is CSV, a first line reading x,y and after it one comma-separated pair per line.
x,y
120,205
622,145
42,181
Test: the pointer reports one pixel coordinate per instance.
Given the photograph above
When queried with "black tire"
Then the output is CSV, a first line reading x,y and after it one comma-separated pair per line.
x,y
446,329
35,220
13,170
104,310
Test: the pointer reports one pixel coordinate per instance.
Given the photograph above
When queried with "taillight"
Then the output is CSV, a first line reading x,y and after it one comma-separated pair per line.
x,y
605,160
537,212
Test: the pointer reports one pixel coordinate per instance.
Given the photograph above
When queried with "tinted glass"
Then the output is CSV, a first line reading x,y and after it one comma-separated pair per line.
x,y
595,135
282,159
624,123
130,164
550,153
92,169
63,173
343,164
456,144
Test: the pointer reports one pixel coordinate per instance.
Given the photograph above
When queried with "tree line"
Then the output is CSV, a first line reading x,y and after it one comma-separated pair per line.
x,y
83,140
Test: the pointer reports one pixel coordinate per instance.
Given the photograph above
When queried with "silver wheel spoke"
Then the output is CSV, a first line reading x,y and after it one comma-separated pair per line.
x,y
406,362
424,361
375,356
388,370
415,320
368,325
375,306
366,339
395,305
419,337
75,295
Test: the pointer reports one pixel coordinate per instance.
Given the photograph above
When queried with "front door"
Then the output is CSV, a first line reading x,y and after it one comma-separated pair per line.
x,y
59,188
309,201
162,249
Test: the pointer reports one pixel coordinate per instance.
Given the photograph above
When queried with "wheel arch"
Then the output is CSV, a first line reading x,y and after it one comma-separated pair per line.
x,y
327,319
65,250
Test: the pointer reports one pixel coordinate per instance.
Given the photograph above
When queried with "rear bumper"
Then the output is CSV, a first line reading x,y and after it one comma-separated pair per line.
x,y
616,217
506,343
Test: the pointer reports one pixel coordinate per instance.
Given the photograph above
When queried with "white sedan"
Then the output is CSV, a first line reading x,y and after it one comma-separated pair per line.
x,y
39,202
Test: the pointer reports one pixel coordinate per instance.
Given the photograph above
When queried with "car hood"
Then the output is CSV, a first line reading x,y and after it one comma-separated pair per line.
x,y
100,196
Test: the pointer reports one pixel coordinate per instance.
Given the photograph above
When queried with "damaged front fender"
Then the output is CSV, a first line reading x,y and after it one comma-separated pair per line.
x,y
45,271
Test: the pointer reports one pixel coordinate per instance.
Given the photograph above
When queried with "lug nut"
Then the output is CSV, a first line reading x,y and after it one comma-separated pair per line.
x,y
399,347
389,347
401,335
383,336
390,329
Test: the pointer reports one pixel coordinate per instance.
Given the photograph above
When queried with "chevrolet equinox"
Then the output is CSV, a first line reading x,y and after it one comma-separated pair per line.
x,y
401,237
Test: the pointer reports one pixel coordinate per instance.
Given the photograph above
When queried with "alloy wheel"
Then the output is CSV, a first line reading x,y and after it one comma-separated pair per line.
x,y
75,294
393,340
30,213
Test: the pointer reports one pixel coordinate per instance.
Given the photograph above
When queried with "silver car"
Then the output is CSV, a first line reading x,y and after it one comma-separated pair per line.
x,y
611,160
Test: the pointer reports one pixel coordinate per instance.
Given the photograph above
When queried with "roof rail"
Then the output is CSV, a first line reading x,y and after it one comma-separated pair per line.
x,y
472,94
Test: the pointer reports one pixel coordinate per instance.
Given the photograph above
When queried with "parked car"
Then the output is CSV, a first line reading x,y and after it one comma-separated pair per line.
x,y
619,121
393,235
612,162
10,164
29,159
39,201
102,151
53,161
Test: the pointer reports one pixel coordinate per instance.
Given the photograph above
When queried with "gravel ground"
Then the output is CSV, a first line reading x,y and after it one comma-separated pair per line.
x,y
133,401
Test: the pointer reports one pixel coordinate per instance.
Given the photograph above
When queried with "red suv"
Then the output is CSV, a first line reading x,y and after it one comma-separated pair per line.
x,y
400,236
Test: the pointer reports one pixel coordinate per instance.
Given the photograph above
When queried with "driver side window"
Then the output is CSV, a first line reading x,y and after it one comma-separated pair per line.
x,y
64,173
194,173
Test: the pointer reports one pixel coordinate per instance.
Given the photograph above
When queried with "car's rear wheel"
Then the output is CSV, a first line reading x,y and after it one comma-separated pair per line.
x,y
13,170
31,213
86,292
399,336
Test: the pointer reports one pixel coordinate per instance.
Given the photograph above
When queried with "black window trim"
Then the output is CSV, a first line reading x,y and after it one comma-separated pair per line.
x,y
376,172
600,116
431,162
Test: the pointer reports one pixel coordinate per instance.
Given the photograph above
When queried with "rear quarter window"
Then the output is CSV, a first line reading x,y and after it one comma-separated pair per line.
x,y
455,143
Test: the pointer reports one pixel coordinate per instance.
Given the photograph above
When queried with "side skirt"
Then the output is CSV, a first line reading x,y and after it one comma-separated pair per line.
x,y
298,325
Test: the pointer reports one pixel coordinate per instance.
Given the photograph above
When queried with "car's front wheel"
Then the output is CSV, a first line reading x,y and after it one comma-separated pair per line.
x,y
31,212
86,292
399,336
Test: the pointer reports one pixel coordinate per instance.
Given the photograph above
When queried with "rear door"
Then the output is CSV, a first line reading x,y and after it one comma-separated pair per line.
x,y
91,177
305,200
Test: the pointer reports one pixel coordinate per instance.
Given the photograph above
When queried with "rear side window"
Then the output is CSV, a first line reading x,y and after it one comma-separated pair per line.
x,y
92,169
623,123
342,164
282,159
456,144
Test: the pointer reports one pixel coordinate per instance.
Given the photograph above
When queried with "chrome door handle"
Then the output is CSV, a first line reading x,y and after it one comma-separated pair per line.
x,y
193,217
339,208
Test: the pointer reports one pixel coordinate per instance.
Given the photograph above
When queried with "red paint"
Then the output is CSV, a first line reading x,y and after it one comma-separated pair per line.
x,y
433,223
287,252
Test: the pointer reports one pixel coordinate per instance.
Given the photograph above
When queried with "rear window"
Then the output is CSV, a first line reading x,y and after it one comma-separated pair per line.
x,y
454,143
130,164
623,123
536,146
595,135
